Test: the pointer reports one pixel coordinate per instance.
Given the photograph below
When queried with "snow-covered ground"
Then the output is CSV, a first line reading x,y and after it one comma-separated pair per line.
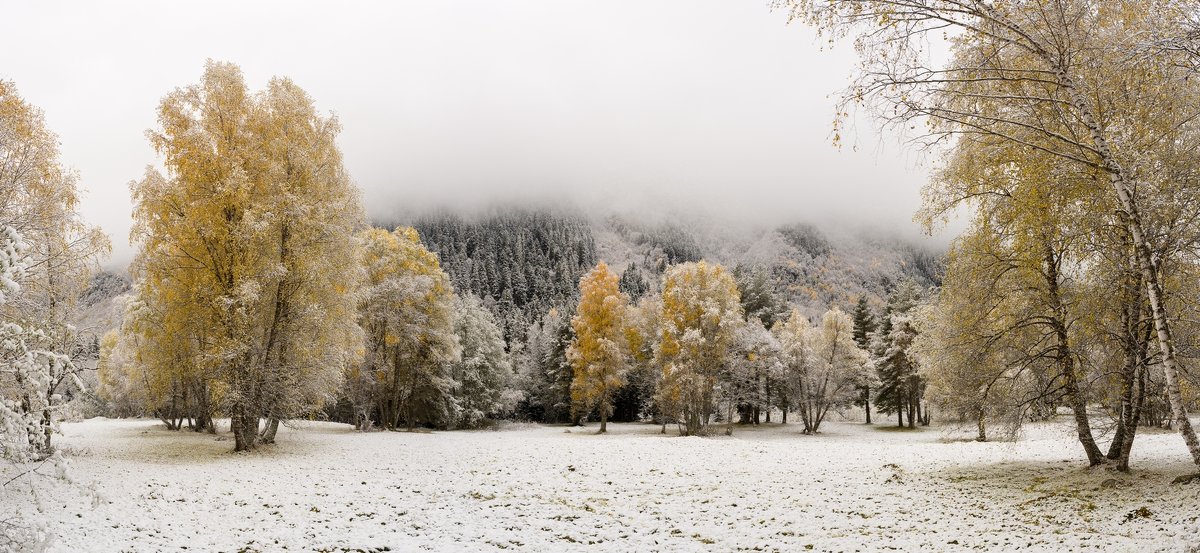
x,y
541,488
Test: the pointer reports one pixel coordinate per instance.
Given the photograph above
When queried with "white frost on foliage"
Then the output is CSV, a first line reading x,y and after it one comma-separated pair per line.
x,y
27,405
483,375
12,262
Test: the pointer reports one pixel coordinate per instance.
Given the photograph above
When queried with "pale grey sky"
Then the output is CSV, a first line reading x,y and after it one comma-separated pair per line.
x,y
626,104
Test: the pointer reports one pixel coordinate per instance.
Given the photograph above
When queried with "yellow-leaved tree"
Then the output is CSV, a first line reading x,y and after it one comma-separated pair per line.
x,y
599,353
407,312
700,315
242,262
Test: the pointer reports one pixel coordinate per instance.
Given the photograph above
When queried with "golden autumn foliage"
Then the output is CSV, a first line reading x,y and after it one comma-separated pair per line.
x,y
242,268
700,314
599,353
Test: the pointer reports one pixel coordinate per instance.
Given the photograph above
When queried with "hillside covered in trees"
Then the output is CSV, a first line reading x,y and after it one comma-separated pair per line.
x,y
525,261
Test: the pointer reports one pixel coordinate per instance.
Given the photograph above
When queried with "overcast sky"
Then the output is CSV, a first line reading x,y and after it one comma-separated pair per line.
x,y
623,104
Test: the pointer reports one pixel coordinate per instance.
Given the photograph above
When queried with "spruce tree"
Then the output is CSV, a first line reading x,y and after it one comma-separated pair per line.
x,y
901,386
864,325
633,283
758,296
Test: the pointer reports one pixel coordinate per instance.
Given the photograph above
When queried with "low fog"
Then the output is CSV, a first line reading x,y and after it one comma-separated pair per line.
x,y
716,107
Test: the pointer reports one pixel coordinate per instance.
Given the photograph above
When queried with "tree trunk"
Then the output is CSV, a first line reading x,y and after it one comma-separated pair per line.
x,y
1083,429
1132,424
47,425
268,434
603,420
1125,410
982,436
768,395
245,429
912,410
409,418
867,402
1065,360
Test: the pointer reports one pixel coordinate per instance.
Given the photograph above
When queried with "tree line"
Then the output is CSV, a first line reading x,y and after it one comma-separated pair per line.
x,y
260,294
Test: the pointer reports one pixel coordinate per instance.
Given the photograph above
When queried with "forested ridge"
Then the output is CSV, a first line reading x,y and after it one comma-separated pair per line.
x,y
522,263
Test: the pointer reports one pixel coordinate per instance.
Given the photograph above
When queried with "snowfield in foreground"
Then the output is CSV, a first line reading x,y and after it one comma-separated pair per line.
x,y
541,488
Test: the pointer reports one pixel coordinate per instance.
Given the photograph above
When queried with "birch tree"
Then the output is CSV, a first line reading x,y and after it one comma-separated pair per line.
x,y
1013,62
983,346
243,245
824,362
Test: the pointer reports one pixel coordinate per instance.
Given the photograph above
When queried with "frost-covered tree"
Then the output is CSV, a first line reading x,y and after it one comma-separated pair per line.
x,y
27,367
243,245
121,386
408,315
544,373
1031,243
753,371
633,282
901,388
155,357
822,363
969,349
599,351
700,316
864,326
529,358
900,384
27,400
759,300
483,375
53,252
1053,78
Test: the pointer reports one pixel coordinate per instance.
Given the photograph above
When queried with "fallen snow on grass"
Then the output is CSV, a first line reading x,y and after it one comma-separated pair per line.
x,y
853,488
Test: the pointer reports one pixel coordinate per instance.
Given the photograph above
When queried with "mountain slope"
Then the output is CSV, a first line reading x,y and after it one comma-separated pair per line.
x,y
523,262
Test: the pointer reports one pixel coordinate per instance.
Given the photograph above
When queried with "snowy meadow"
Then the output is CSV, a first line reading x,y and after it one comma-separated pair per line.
x,y
525,487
